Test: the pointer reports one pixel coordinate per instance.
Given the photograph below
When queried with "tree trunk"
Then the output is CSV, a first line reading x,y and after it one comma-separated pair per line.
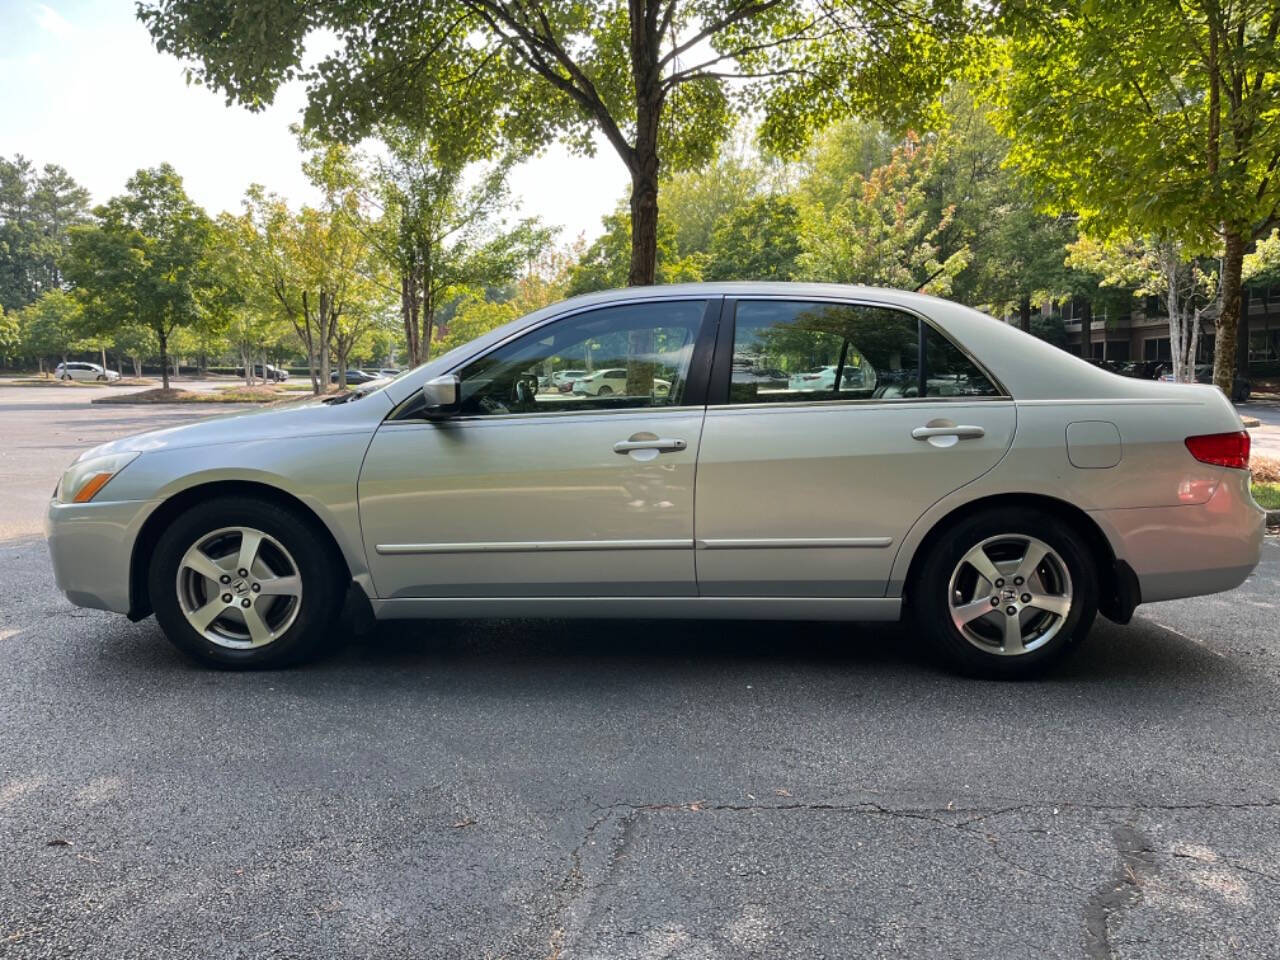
x,y
1242,334
409,316
1224,345
644,223
164,361
1086,329
104,361
1024,314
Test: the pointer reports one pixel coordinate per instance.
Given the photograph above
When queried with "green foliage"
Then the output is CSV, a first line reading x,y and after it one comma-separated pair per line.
x,y
37,211
1125,114
881,231
50,325
445,240
145,260
10,333
605,263
760,240
660,80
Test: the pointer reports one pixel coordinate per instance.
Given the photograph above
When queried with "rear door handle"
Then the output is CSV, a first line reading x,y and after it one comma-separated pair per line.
x,y
657,443
960,432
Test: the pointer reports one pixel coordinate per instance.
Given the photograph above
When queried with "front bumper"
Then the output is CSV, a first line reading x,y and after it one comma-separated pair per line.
x,y
91,545
1191,550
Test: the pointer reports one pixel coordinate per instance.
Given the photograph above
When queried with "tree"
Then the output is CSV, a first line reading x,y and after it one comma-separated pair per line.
x,y
657,79
1190,290
881,230
145,260
50,326
10,335
760,240
446,240
1152,119
606,261
37,211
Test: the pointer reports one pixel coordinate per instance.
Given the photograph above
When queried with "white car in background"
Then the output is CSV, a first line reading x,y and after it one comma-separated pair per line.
x,y
824,378
84,371
604,383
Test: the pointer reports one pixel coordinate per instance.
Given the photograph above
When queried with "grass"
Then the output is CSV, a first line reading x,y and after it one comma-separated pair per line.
x,y
1267,495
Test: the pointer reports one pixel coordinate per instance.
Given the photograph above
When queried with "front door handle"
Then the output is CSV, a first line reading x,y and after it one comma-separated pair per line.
x,y
961,432
661,444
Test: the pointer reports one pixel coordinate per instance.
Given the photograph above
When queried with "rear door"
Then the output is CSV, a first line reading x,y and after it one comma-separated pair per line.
x,y
808,491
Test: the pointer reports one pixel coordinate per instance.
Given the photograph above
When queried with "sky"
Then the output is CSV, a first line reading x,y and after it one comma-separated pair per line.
x,y
81,86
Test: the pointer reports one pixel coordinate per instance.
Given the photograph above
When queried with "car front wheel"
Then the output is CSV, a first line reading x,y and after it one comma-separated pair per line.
x,y
1006,593
244,583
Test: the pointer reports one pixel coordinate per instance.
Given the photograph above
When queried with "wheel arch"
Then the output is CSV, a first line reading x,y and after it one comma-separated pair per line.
x,y
149,534
1118,589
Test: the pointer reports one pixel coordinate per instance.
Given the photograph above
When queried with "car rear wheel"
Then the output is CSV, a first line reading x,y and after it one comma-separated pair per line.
x,y
605,391
244,583
1006,593
66,376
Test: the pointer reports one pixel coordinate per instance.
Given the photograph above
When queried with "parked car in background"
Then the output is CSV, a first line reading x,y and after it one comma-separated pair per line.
x,y
853,377
267,372
355,376
1005,494
1241,387
388,372
74,370
613,380
562,380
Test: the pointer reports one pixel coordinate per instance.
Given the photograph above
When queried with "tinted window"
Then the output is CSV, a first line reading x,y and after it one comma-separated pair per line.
x,y
951,373
632,355
785,351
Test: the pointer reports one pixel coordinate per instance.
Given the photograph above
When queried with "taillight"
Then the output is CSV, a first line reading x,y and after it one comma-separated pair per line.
x,y
1223,449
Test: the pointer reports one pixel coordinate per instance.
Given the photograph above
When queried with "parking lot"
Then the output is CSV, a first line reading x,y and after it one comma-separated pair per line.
x,y
530,789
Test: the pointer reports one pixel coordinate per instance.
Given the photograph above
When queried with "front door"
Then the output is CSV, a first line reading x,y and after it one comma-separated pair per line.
x,y
547,485
829,440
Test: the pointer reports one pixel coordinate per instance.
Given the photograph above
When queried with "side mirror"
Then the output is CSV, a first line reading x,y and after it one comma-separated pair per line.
x,y
443,397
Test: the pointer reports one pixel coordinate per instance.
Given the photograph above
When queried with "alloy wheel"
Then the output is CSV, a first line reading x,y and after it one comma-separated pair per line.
x,y
1010,594
239,588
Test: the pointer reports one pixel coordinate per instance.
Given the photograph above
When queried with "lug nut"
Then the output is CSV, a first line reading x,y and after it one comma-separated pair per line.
x,y
1017,581
245,603
226,598
995,601
999,582
224,579
256,587
243,572
1011,611
1026,598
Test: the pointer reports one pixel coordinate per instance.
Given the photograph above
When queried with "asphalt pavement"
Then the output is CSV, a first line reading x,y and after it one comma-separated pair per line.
x,y
534,789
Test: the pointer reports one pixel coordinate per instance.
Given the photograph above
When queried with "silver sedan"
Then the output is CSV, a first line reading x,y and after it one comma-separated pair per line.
x,y
995,488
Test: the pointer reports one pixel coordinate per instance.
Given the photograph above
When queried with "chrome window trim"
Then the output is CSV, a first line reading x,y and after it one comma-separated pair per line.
x,y
540,414
576,311
837,404
1003,394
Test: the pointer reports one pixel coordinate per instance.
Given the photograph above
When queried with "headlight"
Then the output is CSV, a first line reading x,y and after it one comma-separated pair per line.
x,y
84,478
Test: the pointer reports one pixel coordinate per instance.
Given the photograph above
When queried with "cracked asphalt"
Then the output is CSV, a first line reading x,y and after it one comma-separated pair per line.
x,y
535,789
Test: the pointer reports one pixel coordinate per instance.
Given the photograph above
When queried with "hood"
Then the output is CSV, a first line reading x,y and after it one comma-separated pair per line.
x,y
311,417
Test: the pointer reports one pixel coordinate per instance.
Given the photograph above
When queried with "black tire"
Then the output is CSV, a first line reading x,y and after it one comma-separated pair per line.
x,y
930,602
323,579
605,391
102,377
66,378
